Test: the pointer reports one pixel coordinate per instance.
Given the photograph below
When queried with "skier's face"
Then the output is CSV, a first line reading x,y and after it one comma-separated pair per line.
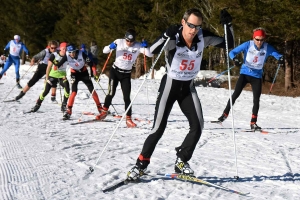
x,y
52,48
129,43
62,51
259,40
191,26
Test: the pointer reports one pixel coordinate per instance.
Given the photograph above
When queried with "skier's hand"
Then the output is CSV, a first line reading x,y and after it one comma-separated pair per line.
x,y
237,62
144,44
113,46
171,31
225,17
281,61
49,81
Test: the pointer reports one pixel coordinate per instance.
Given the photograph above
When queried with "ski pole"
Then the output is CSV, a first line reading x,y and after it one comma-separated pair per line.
x,y
16,84
108,57
105,95
61,98
230,97
145,67
274,78
219,74
114,131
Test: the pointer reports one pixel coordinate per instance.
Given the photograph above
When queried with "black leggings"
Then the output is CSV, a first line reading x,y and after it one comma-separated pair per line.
x,y
114,78
62,81
256,84
39,73
185,94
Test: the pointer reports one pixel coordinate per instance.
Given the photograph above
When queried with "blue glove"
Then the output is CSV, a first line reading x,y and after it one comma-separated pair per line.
x,y
113,45
144,44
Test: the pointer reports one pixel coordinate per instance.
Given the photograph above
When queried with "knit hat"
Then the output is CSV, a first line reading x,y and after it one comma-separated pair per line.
x,y
130,35
82,46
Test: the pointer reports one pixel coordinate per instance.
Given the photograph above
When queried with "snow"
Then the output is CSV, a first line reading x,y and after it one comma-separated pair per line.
x,y
44,157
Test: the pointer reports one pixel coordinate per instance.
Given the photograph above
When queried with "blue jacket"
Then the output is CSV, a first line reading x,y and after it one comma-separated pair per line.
x,y
23,48
89,54
271,51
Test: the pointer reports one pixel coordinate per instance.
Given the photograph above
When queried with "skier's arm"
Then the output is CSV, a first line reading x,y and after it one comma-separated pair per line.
x,y
62,61
110,47
49,66
40,56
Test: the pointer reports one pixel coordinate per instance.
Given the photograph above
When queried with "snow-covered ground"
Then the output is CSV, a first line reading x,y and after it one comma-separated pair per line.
x,y
44,157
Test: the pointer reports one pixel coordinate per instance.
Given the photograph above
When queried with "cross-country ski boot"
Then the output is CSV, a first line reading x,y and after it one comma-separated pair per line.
x,y
35,108
102,114
183,167
68,114
129,122
254,127
223,117
20,95
135,173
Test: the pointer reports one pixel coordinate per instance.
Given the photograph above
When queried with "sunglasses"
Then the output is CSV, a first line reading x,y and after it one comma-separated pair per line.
x,y
129,41
72,51
197,27
52,47
259,40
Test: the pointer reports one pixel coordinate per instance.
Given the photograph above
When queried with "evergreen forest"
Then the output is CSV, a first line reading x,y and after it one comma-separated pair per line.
x,y
103,21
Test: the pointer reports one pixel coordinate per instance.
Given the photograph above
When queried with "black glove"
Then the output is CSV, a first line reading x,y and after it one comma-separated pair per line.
x,y
171,31
225,17
237,62
281,61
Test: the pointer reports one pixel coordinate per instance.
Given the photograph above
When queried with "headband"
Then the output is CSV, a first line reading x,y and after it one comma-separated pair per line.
x,y
259,33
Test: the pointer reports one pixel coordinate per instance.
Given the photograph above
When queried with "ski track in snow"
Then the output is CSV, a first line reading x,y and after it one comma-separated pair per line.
x,y
44,157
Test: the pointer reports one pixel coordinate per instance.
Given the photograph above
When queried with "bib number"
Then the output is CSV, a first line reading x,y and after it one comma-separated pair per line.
x,y
185,64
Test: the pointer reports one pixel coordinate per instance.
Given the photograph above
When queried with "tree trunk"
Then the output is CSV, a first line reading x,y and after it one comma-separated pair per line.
x,y
138,67
209,60
288,65
152,73
222,58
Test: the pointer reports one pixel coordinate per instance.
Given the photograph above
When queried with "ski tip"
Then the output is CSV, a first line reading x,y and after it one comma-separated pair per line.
x,y
88,113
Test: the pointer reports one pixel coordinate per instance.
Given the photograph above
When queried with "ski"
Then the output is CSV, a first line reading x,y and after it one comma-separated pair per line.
x,y
197,180
214,122
1,83
30,111
119,184
10,100
91,121
261,131
94,114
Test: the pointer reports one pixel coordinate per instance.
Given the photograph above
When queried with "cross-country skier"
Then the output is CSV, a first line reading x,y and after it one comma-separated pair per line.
x,y
42,57
54,75
15,47
256,52
183,55
127,51
78,62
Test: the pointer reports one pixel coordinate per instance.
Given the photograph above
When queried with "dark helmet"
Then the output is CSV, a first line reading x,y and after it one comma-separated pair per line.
x,y
130,35
71,48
